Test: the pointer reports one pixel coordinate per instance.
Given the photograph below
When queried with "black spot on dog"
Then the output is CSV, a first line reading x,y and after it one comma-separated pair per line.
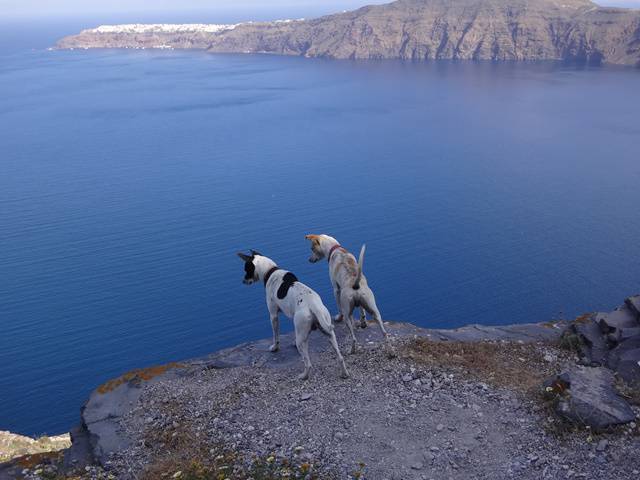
x,y
249,270
287,281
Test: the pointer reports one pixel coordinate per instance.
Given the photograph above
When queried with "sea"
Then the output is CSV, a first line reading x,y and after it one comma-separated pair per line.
x,y
489,193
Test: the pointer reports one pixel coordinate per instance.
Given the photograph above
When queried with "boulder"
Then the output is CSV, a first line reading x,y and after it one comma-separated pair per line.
x,y
628,333
625,359
585,335
585,395
616,320
634,305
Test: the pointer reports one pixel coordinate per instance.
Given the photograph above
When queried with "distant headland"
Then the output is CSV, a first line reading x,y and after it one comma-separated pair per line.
x,y
500,30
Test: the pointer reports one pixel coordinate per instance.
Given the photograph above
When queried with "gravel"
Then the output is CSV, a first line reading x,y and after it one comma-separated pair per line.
x,y
398,418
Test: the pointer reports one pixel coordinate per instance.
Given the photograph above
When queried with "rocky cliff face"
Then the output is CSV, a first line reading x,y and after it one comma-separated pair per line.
x,y
573,30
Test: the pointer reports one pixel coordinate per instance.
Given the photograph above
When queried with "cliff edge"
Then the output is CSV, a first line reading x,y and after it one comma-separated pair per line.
x,y
548,400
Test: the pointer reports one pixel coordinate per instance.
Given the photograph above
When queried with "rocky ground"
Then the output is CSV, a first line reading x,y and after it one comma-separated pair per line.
x,y
394,419
12,445
473,403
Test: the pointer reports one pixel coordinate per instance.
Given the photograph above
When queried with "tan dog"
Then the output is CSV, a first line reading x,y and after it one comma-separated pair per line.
x,y
349,284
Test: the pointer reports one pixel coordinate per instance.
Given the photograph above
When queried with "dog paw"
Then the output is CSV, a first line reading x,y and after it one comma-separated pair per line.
x,y
303,376
337,318
344,375
274,348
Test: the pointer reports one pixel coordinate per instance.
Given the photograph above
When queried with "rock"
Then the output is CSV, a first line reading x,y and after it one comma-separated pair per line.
x,y
634,304
623,317
586,336
305,396
585,395
13,445
613,323
440,427
627,333
624,359
602,445
407,377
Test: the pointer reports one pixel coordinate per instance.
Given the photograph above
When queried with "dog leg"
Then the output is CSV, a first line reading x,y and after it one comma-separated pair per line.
x,y
347,314
363,318
369,303
275,326
334,343
303,324
338,318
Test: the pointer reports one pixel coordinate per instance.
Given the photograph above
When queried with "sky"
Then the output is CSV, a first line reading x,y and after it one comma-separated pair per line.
x,y
93,7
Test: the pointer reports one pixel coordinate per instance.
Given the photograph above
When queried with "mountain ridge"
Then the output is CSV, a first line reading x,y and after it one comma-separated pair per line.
x,y
522,30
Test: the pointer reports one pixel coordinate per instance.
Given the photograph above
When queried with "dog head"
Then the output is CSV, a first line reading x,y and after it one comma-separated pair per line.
x,y
250,272
319,246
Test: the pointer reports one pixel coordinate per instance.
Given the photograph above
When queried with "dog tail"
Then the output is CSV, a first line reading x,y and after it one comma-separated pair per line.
x,y
356,284
323,318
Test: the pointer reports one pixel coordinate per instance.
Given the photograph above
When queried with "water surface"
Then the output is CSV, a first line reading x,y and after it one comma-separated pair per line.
x,y
128,180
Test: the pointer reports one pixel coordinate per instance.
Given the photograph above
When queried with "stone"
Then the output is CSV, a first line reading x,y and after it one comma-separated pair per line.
x,y
585,395
616,320
586,336
602,445
627,333
305,396
624,359
407,377
634,304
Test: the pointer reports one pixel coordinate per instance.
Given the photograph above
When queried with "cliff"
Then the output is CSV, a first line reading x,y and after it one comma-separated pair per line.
x,y
527,401
571,30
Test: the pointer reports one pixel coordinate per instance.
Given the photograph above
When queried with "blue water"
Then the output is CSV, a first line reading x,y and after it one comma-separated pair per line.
x,y
128,180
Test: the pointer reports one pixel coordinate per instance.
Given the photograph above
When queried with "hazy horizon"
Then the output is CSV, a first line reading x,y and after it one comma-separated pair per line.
x,y
75,8
195,8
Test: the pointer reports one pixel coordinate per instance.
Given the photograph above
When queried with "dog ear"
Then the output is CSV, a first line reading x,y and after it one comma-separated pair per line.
x,y
311,237
245,258
254,253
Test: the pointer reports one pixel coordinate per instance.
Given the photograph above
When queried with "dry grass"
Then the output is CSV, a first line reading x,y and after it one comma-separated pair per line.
x,y
512,365
30,461
631,393
141,374
515,366
187,455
